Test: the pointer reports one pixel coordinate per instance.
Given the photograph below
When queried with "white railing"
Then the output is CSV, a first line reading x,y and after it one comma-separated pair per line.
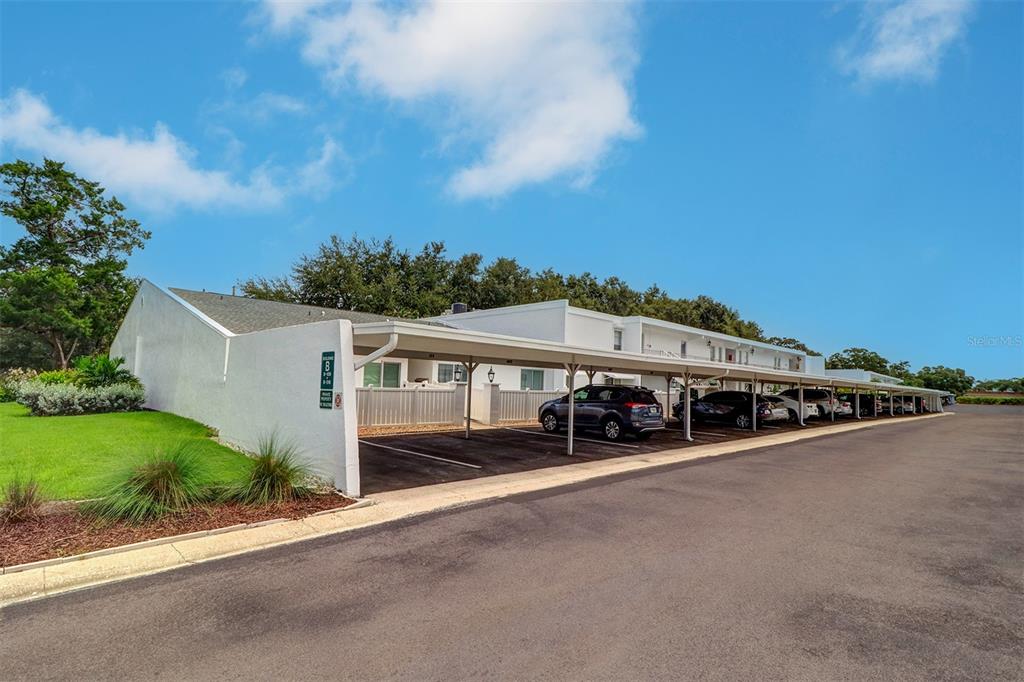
x,y
399,406
523,405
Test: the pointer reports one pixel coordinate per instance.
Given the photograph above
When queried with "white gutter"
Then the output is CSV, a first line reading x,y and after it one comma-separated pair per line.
x,y
380,352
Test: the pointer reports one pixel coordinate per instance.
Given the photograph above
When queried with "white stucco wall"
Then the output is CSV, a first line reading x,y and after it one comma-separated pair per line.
x,y
545,321
589,330
249,385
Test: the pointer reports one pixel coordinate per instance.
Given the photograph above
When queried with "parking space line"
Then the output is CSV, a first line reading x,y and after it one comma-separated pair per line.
x,y
420,454
708,433
575,438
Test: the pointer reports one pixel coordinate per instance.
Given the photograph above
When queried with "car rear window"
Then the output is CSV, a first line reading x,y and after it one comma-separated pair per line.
x,y
644,398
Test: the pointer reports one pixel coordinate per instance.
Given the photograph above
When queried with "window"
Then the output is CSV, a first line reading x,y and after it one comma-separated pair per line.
x,y
445,372
618,340
531,379
682,349
712,349
383,374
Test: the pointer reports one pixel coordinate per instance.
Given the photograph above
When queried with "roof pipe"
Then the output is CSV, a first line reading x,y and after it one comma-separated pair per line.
x,y
380,352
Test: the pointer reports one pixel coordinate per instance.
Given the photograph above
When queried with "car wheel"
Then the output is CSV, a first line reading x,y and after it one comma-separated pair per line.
x,y
793,419
612,429
821,412
743,421
550,422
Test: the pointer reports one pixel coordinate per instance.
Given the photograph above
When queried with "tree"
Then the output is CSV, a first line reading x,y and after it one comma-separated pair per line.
x,y
955,381
1014,385
64,281
789,342
862,358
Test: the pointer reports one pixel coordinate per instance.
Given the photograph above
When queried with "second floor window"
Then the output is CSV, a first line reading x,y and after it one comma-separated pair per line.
x,y
617,344
682,349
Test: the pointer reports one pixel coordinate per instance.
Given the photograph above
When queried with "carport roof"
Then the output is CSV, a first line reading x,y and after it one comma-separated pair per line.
x,y
241,315
460,345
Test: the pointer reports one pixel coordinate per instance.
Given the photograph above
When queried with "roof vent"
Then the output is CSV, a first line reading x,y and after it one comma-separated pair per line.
x,y
459,308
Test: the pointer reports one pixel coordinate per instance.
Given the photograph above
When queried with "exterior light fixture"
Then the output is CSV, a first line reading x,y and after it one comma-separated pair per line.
x,y
458,374
490,375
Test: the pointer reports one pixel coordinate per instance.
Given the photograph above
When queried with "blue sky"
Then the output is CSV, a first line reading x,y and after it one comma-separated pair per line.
x,y
848,174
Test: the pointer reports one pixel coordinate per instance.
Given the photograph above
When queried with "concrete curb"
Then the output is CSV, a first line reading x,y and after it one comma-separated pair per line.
x,y
54,576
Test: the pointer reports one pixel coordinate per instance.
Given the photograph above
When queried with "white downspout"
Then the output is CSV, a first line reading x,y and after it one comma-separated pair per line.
x,y
379,353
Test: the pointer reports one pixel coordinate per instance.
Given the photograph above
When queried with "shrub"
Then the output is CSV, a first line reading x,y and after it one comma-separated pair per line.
x,y
10,379
160,485
990,400
57,376
22,501
68,399
99,370
275,474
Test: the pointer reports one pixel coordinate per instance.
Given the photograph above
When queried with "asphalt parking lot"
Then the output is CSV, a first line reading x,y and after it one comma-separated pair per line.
x,y
879,554
394,462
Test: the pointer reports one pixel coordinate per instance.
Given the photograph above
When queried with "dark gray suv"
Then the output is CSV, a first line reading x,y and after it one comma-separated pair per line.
x,y
614,410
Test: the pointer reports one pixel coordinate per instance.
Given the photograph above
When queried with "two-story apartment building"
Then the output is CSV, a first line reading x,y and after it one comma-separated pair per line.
x,y
560,322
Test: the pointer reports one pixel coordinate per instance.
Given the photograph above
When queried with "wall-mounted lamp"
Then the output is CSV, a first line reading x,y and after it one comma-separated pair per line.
x,y
458,373
490,375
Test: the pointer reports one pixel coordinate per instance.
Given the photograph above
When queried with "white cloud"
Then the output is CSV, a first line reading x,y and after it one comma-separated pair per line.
x,y
544,87
283,14
905,40
317,177
157,171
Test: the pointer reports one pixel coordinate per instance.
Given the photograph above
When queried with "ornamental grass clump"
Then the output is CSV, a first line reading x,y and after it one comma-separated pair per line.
x,y
22,500
275,474
164,484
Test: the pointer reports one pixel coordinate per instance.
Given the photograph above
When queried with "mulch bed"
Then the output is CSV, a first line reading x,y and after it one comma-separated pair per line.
x,y
67,533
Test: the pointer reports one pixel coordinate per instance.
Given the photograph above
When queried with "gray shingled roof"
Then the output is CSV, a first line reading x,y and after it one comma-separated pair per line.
x,y
243,315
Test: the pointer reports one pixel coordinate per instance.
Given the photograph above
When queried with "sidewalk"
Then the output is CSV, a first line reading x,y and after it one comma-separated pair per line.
x,y
61,575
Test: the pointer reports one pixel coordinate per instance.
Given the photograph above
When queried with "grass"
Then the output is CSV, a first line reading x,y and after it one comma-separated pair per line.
x,y
72,458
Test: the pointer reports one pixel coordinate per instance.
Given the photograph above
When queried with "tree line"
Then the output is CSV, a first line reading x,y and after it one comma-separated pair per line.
x,y
64,288
379,277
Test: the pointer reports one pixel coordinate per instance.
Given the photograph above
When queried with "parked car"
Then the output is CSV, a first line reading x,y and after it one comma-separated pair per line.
x,y
819,396
844,408
777,405
810,408
865,404
730,407
613,410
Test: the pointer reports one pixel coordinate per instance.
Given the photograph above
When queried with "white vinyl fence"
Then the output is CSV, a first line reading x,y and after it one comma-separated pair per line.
x,y
523,405
420,405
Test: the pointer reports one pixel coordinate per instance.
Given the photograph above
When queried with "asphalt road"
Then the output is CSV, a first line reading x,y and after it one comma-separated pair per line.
x,y
888,553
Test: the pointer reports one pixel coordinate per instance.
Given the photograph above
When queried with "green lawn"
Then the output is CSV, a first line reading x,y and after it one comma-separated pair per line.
x,y
73,457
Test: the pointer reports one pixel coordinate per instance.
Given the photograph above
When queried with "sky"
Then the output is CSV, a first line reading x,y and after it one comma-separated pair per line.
x,y
847,174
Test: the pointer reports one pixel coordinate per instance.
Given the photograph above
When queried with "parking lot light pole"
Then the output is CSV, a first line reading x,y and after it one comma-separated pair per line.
x,y
800,399
572,368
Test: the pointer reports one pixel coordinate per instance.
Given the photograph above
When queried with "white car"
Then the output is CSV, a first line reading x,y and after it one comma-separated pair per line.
x,y
810,408
779,412
844,408
822,399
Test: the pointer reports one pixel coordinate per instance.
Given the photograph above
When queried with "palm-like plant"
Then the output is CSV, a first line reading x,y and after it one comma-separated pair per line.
x,y
99,370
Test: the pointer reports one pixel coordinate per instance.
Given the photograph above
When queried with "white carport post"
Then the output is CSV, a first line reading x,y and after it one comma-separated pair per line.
x,y
832,400
875,399
753,401
800,399
572,368
892,413
590,375
686,407
913,404
856,402
469,366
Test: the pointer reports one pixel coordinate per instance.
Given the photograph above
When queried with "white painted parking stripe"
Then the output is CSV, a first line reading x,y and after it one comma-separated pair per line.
x,y
555,435
707,433
420,454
